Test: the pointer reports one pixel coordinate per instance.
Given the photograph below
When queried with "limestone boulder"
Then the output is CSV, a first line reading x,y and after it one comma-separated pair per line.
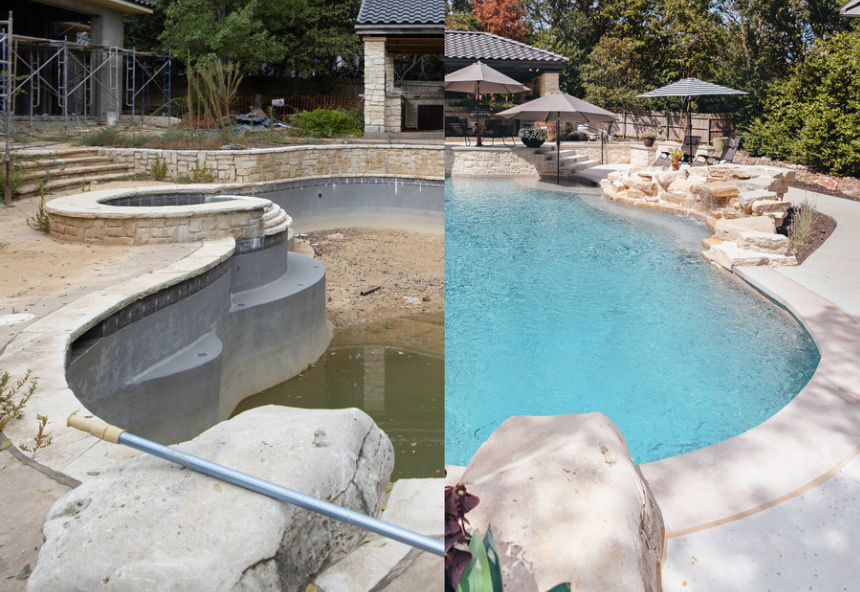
x,y
680,186
666,178
150,524
760,184
763,242
746,199
729,254
570,506
728,230
771,207
723,191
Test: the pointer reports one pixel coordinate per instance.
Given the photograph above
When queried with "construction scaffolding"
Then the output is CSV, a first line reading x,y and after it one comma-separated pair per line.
x,y
63,79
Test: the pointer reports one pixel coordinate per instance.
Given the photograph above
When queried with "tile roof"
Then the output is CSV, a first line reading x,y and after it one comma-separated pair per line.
x,y
474,45
146,3
402,12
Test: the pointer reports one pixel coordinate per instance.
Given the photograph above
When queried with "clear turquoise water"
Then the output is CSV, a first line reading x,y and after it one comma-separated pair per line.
x,y
558,303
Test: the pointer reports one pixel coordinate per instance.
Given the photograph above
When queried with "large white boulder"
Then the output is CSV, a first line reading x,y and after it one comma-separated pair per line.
x,y
763,242
566,504
149,524
729,230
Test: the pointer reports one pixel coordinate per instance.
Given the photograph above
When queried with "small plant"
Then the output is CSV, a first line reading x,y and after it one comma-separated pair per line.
x,y
184,180
539,134
158,170
649,135
85,185
471,562
41,439
676,153
16,177
328,123
201,174
40,220
10,408
802,222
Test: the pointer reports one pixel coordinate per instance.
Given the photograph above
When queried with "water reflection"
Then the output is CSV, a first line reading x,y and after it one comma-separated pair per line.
x,y
394,371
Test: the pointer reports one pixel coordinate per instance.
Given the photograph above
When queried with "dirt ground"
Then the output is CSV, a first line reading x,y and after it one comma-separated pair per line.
x,y
377,274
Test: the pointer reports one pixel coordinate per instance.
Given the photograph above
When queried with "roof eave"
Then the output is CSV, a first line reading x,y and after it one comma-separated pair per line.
x,y
389,29
123,6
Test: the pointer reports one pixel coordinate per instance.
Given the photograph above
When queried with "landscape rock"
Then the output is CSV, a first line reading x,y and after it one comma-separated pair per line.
x,y
729,255
729,230
763,242
771,207
151,524
760,184
747,198
569,507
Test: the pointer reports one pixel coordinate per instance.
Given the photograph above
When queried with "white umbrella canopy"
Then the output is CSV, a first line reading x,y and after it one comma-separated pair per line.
x,y
851,9
561,106
480,78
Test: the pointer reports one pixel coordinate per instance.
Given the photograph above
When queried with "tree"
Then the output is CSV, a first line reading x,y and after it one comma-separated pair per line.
x,y
505,18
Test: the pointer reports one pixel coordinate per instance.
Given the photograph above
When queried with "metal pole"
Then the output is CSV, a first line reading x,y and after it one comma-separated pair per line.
x,y
113,434
7,157
558,148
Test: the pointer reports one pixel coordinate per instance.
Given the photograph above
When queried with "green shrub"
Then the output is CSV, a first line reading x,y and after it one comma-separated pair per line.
x,y
16,178
327,123
107,136
538,134
158,170
813,116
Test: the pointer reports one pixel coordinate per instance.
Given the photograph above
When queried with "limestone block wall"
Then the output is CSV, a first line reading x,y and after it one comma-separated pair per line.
x,y
547,83
275,164
496,162
374,84
393,111
141,231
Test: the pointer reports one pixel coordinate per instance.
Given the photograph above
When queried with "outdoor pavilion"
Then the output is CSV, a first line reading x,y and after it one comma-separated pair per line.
x,y
388,28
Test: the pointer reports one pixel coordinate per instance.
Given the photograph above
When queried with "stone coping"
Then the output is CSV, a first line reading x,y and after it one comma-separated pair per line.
x,y
93,204
302,147
48,340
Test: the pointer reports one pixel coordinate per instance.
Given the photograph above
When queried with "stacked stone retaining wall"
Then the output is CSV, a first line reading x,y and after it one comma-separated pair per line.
x,y
274,164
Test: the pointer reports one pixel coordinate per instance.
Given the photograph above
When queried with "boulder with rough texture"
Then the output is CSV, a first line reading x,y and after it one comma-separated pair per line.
x,y
729,230
763,242
771,207
760,184
747,198
148,524
570,506
729,255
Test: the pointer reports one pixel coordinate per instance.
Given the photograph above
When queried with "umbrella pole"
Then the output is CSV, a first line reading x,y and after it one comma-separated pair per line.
x,y
558,148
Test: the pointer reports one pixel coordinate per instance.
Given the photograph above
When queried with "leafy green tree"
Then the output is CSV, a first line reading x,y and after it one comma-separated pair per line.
x,y
813,116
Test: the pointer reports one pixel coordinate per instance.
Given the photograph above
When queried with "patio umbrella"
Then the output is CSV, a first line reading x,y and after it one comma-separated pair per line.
x,y
691,87
480,78
560,106
851,9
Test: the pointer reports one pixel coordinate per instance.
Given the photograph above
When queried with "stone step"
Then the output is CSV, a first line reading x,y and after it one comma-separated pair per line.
x,y
33,188
578,166
81,171
572,158
415,504
272,211
282,226
277,220
60,153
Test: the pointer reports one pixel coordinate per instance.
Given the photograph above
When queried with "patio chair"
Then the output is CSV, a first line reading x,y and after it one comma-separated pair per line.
x,y
496,129
456,128
728,154
690,145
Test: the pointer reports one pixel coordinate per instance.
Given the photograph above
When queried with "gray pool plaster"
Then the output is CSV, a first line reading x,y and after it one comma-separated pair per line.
x,y
775,508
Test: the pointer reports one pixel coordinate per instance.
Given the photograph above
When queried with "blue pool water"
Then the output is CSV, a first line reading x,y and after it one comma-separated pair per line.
x,y
558,303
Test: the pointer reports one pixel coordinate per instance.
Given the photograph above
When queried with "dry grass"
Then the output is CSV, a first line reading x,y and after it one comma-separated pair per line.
x,y
800,231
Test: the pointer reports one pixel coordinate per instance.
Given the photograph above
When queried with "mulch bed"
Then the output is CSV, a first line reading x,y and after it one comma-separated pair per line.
x,y
822,228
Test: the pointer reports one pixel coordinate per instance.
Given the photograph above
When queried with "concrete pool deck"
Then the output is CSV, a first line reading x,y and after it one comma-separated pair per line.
x,y
774,508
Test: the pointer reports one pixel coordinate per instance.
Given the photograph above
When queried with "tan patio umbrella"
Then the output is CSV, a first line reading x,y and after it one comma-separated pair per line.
x,y
851,9
562,107
480,78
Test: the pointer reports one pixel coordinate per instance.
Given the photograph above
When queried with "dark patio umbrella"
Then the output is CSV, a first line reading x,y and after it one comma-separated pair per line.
x,y
691,87
851,9
560,106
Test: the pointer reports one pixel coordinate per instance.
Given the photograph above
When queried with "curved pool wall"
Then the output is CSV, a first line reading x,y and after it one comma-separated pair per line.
x,y
172,372
218,301
368,201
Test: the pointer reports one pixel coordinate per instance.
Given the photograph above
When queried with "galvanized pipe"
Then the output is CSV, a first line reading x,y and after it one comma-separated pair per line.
x,y
118,436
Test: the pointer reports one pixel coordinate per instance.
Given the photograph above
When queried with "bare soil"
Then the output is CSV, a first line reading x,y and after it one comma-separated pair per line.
x,y
378,274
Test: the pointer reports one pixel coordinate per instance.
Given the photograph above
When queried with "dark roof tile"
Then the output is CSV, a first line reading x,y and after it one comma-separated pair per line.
x,y
474,45
403,12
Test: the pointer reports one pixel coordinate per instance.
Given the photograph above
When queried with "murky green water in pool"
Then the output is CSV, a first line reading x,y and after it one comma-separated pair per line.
x,y
392,370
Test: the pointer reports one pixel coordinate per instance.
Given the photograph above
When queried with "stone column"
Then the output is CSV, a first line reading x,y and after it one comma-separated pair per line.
x,y
375,66
107,29
548,83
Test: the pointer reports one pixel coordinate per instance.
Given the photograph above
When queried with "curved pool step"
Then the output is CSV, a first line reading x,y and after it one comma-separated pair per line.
x,y
275,220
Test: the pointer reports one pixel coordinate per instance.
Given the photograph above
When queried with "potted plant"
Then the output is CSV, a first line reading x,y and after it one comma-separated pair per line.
x,y
648,138
533,138
675,154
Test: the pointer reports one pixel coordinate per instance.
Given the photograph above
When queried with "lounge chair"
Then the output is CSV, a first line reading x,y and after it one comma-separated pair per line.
x,y
689,147
456,128
728,154
497,129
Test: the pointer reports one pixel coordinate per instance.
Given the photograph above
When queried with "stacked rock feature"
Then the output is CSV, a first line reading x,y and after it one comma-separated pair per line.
x,y
751,198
